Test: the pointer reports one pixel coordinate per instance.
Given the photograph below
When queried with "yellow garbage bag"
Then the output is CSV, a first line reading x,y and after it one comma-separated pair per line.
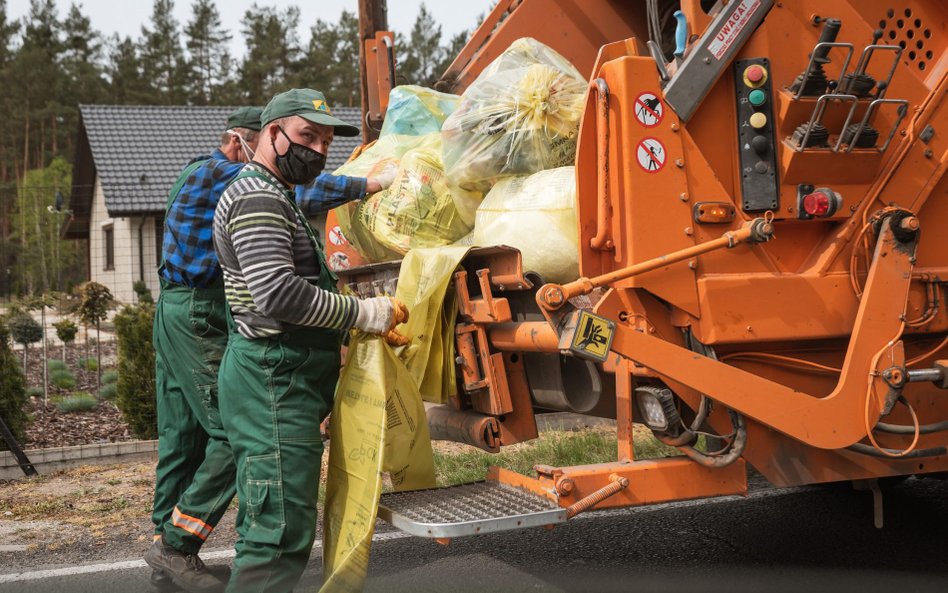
x,y
517,210
419,209
378,418
521,115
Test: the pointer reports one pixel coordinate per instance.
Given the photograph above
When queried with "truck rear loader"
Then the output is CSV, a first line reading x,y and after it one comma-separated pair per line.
x,y
761,192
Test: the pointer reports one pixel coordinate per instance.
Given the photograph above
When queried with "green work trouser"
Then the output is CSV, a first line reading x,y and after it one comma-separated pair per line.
x,y
194,481
274,394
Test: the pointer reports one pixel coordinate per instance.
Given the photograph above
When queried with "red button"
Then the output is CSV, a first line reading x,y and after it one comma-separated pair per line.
x,y
754,73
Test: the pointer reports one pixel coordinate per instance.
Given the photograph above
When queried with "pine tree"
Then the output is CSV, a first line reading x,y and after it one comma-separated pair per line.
x,y
424,53
127,85
39,85
81,61
163,63
270,64
316,69
206,43
346,62
34,87
8,150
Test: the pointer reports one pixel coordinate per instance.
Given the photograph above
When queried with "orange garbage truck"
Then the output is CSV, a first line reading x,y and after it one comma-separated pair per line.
x,y
759,189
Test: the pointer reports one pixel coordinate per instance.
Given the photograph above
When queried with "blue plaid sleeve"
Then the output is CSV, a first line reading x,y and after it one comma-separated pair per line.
x,y
188,256
327,192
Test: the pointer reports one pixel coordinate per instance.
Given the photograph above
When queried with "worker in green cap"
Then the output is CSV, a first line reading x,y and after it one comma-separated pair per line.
x,y
281,365
195,474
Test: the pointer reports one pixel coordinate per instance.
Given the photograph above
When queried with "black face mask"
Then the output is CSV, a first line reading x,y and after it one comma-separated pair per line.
x,y
299,164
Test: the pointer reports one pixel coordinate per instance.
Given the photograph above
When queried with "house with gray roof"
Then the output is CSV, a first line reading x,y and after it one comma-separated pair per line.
x,y
127,159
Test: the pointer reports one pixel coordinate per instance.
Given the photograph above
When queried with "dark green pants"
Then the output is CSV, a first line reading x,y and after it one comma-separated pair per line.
x,y
195,475
274,394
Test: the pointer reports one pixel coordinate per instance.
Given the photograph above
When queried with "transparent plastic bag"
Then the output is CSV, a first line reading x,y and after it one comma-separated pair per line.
x,y
416,111
520,116
537,215
417,210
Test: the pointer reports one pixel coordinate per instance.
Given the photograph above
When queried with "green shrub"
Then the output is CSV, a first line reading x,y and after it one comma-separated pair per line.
x,y
77,402
135,395
56,365
12,390
142,292
89,364
108,391
24,329
109,377
66,330
35,392
62,379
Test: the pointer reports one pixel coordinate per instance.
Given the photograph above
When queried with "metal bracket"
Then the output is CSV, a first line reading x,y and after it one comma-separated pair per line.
x,y
819,109
863,64
867,118
813,55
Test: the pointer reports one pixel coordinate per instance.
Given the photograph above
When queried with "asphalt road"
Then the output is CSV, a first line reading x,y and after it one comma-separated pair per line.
x,y
808,539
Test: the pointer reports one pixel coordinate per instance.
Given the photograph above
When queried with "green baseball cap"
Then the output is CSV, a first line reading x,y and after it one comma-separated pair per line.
x,y
245,117
308,104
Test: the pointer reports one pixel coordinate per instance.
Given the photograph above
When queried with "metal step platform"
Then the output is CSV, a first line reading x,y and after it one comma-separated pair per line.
x,y
468,509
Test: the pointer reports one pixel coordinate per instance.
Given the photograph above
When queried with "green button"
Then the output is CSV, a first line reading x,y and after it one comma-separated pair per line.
x,y
757,97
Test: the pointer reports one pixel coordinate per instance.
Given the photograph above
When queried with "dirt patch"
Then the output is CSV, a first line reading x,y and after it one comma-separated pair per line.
x,y
52,428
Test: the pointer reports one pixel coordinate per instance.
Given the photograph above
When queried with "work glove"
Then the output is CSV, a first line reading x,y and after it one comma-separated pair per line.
x,y
380,315
386,176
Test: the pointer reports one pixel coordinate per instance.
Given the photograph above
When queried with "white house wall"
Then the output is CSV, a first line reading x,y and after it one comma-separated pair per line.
x,y
126,257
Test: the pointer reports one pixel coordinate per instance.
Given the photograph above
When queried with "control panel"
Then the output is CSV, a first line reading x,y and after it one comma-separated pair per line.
x,y
756,129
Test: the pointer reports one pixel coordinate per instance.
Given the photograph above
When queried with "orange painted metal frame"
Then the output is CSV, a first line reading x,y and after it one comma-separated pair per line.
x,y
789,298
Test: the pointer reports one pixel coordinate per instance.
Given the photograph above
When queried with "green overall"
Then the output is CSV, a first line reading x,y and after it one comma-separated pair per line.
x,y
195,475
275,391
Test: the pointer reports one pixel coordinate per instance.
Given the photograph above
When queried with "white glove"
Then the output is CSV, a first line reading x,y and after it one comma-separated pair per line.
x,y
380,315
386,176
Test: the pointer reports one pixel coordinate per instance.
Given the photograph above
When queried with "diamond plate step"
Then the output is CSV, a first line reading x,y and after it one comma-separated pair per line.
x,y
468,509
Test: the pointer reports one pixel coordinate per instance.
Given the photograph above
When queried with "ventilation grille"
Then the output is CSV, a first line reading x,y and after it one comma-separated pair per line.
x,y
905,29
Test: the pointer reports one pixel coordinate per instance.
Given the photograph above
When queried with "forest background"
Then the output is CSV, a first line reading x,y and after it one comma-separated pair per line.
x,y
50,65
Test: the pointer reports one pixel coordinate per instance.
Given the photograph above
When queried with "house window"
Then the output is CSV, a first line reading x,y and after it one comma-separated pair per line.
x,y
159,235
109,239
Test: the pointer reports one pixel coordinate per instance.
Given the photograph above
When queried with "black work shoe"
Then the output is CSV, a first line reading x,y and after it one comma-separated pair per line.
x,y
162,583
184,570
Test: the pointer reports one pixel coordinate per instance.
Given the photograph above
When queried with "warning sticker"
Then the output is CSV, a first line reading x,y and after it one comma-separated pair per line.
x,y
732,27
650,155
593,336
336,237
649,110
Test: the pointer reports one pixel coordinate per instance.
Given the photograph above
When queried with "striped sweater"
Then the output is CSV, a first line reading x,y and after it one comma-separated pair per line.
x,y
269,264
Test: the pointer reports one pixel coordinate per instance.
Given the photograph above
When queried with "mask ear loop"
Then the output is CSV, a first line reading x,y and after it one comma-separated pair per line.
x,y
248,152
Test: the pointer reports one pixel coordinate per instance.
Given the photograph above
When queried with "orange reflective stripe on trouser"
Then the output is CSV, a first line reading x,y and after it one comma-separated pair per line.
x,y
191,524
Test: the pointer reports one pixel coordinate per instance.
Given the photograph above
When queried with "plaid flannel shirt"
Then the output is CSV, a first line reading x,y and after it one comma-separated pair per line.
x,y
188,256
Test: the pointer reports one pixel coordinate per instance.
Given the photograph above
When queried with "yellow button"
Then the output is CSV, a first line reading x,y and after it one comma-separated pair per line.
x,y
758,120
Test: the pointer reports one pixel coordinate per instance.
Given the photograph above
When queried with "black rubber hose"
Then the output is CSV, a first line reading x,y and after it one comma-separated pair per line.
x,y
908,429
735,451
872,452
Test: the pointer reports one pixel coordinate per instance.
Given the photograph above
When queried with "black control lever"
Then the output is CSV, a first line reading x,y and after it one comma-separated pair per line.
x,y
814,82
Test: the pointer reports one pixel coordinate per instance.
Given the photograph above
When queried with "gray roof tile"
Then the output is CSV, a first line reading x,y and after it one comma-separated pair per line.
x,y
138,151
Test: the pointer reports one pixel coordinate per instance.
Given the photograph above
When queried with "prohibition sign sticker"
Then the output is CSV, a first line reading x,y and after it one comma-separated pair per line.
x,y
650,154
336,237
649,110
